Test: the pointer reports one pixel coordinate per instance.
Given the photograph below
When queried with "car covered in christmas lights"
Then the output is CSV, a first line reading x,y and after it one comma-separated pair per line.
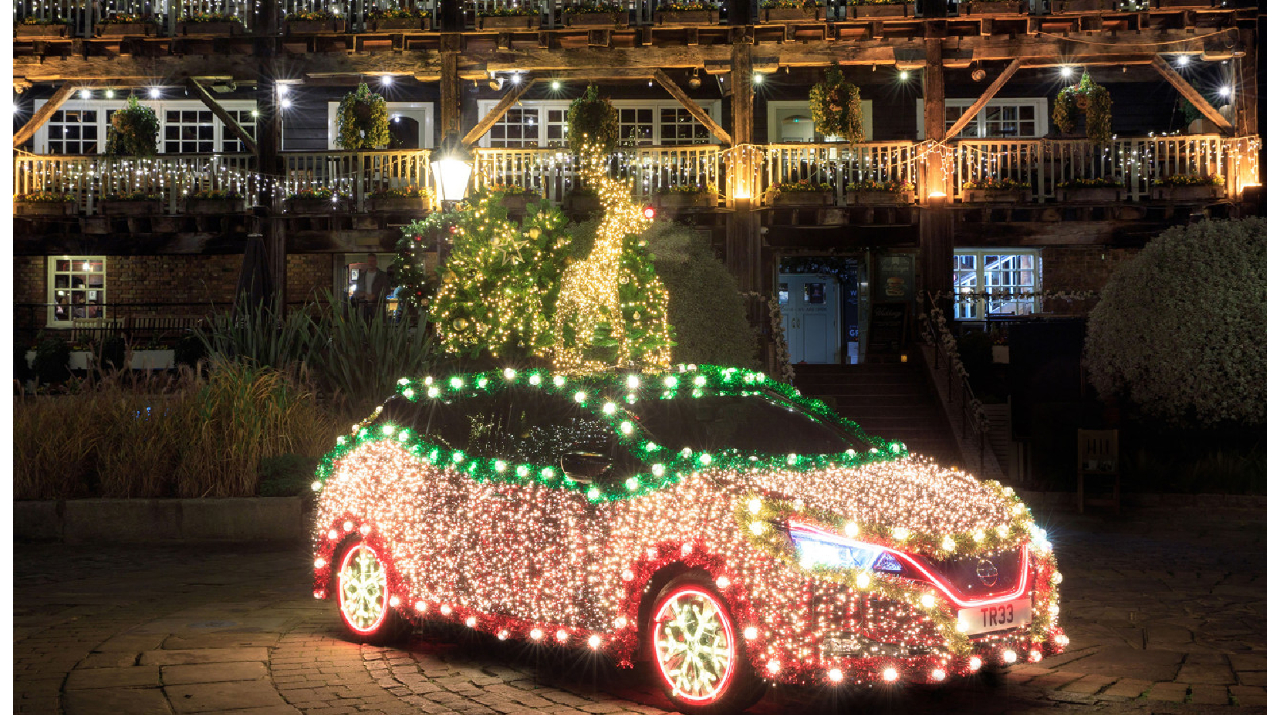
x,y
707,520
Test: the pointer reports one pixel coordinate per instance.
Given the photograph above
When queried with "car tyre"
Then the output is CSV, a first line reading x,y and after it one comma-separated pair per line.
x,y
698,650
362,592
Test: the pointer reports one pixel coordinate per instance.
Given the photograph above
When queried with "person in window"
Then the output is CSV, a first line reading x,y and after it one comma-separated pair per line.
x,y
372,286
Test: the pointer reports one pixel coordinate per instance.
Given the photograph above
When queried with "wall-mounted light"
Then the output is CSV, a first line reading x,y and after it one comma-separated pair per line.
x,y
286,103
1067,72
282,89
1224,91
111,94
1183,60
154,93
695,81
555,85
254,113
515,79
86,93
757,78
904,75
387,80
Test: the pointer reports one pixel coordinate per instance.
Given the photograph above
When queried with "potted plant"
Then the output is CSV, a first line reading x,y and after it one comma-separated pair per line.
x,y
836,107
688,196
1162,4
515,199
133,130
398,19
125,25
880,8
593,123
1188,187
1089,191
799,193
687,12
992,7
312,22
1077,6
363,122
400,198
880,193
1089,99
45,203
136,203
996,191
31,27
215,201
594,14
792,11
322,200
510,17
210,24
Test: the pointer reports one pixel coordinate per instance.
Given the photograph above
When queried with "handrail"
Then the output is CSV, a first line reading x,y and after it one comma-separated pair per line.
x,y
974,424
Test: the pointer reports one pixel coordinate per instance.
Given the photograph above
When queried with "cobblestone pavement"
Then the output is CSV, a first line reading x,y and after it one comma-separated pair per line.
x,y
1166,611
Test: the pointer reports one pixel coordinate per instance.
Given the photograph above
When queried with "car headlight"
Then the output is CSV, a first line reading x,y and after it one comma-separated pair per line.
x,y
820,549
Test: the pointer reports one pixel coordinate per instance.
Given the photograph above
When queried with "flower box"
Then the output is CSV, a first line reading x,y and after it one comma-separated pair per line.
x,y
995,196
117,207
880,198
1186,193
1090,194
881,10
210,29
1059,7
140,360
794,14
399,24
125,29
996,7
508,22
314,27
802,198
595,19
687,17
1186,3
38,31
687,200
314,206
519,203
45,208
399,203
213,207
581,203
1000,354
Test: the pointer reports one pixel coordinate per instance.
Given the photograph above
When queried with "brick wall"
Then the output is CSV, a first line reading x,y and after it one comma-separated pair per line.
x,y
1079,268
308,275
173,279
29,277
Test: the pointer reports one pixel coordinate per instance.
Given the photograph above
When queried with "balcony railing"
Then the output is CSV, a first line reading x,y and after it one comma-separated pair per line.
x,y
552,173
549,14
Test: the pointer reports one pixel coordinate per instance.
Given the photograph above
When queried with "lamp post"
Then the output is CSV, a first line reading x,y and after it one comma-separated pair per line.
x,y
451,167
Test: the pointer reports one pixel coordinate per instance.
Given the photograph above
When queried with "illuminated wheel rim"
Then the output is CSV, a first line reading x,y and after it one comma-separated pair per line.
x,y
693,645
362,589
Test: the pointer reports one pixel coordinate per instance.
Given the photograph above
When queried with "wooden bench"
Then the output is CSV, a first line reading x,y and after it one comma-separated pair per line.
x,y
1098,455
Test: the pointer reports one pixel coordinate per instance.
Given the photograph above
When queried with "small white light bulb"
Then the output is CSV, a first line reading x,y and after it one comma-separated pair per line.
x,y
1010,656
890,674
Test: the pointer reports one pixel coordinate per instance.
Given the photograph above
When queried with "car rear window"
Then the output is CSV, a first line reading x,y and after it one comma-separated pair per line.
x,y
749,423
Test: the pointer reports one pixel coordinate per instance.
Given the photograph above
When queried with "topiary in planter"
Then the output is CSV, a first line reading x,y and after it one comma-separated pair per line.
x,y
133,131
836,106
593,121
1089,99
363,122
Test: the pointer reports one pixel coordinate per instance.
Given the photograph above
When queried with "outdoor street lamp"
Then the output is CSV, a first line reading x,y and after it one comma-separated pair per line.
x,y
451,168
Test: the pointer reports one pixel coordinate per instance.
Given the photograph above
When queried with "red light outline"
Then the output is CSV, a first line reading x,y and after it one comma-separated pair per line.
x,y
934,578
733,648
386,593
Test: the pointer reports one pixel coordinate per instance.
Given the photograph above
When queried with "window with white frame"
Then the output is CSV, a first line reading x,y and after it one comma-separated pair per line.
x,y
186,126
995,282
640,123
412,125
1012,118
77,289
792,121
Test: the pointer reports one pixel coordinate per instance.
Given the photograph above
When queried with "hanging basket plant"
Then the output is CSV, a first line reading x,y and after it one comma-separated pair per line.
x,y
1088,99
362,120
133,131
836,106
592,121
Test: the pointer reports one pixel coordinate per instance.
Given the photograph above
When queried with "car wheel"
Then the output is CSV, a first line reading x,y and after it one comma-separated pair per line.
x,y
364,594
698,651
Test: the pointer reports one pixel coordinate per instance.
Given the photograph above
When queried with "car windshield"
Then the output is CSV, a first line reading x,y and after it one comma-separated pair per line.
x,y
748,423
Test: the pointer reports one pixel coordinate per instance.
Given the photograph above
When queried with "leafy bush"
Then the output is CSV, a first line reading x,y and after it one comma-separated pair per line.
x,y
288,475
592,122
1181,329
133,130
51,360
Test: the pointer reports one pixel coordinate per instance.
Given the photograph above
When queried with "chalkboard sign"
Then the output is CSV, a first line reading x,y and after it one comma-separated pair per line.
x,y
888,327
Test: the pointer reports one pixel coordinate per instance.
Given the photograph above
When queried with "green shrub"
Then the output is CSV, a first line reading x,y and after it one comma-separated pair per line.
x,y
51,361
287,475
111,353
133,130
189,350
260,336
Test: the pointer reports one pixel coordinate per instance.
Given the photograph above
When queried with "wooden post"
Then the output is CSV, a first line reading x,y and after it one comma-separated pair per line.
x,y
37,120
742,239
937,238
698,112
1186,90
270,127
990,92
222,116
450,89
1247,88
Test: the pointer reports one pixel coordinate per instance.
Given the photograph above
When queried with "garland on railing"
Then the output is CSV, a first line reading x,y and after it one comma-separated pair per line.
x,y
941,336
785,368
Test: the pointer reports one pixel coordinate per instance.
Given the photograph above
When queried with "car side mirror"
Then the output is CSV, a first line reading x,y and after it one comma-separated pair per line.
x,y
583,464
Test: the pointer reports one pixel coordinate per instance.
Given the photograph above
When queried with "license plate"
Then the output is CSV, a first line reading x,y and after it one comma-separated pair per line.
x,y
998,617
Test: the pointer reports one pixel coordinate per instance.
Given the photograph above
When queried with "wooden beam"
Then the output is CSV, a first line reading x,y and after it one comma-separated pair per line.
x,y
1191,94
698,112
250,145
977,106
450,95
28,130
499,109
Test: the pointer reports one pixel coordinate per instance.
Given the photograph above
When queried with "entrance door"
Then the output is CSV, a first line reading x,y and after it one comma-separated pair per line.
x,y
810,305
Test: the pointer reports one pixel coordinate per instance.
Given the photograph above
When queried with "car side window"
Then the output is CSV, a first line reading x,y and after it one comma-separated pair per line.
x,y
543,429
469,425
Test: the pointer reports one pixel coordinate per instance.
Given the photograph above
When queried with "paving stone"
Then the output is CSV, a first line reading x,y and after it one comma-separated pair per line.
x,y
1248,661
1252,678
117,701
131,642
209,697
1128,688
1206,674
1249,694
1209,695
1168,692
204,655
1123,662
122,659
135,676
1089,684
212,673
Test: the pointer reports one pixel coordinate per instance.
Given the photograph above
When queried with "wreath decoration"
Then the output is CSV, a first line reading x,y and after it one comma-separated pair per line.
x,y
593,121
362,120
1090,98
836,106
133,131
